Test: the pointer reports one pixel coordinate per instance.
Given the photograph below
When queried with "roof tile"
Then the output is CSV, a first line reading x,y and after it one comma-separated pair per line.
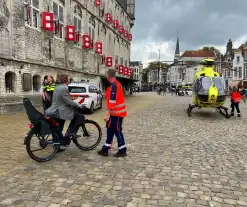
x,y
198,53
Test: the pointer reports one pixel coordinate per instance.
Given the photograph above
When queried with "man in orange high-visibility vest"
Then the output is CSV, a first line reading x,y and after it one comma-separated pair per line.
x,y
116,111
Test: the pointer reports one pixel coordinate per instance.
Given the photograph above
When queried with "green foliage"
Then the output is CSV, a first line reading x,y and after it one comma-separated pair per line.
x,y
207,48
152,66
155,65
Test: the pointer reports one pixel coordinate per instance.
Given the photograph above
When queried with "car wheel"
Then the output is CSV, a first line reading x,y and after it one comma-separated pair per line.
x,y
91,110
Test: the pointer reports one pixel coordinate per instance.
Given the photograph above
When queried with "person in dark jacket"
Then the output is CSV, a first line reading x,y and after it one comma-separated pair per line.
x,y
47,94
63,108
44,102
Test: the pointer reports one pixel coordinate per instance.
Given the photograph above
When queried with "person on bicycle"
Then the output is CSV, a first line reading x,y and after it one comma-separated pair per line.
x,y
116,111
63,108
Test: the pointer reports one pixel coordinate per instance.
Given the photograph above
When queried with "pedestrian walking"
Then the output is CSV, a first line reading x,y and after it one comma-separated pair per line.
x,y
116,111
177,91
235,100
164,90
43,84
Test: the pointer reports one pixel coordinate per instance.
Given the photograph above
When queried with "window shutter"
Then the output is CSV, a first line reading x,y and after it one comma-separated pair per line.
x,y
27,82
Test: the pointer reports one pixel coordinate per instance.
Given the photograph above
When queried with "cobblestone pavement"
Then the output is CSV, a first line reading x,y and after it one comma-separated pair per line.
x,y
173,161
14,127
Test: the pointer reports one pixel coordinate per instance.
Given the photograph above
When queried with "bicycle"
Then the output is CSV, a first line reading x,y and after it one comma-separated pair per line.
x,y
46,131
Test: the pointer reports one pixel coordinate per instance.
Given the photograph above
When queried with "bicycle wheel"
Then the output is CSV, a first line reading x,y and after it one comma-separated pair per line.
x,y
88,136
43,142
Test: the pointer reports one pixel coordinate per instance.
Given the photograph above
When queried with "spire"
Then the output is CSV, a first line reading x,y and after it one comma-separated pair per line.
x,y
177,52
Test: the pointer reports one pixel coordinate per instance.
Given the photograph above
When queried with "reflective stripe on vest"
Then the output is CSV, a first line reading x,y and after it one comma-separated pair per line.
x,y
237,100
117,112
119,105
113,101
49,87
118,109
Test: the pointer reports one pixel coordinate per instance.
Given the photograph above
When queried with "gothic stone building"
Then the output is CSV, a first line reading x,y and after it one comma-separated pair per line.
x,y
82,38
224,64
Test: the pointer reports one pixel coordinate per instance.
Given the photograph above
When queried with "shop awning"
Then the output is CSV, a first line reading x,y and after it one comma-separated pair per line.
x,y
233,83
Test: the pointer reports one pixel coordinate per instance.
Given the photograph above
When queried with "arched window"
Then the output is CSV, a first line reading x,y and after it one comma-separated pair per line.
x,y
77,18
10,82
36,82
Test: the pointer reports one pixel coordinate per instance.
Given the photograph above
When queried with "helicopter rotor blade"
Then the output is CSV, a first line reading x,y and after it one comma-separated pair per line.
x,y
197,61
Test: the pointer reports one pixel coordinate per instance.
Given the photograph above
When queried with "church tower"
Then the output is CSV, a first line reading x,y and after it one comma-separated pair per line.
x,y
177,51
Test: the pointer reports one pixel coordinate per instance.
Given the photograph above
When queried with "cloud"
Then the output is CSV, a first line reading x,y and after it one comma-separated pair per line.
x,y
200,23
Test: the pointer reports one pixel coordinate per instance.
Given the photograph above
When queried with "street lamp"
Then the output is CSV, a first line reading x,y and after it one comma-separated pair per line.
x,y
159,68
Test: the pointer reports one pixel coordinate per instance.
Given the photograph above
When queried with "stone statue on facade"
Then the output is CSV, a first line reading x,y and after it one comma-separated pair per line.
x,y
229,47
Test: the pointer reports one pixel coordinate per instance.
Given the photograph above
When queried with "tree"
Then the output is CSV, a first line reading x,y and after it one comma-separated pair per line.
x,y
213,49
155,65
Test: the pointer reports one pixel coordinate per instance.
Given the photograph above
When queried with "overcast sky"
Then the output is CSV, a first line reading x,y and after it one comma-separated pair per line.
x,y
200,23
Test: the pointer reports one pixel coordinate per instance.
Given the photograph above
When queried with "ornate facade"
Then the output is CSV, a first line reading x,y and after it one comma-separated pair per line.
x,y
41,37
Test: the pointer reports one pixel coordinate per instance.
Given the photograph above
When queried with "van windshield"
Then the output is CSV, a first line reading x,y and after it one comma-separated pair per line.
x,y
73,89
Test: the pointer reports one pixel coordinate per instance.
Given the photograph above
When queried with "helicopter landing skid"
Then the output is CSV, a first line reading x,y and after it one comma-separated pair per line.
x,y
224,111
191,107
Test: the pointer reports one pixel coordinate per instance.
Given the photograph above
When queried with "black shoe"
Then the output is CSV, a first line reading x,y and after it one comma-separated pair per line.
x,y
65,142
60,150
103,153
120,154
239,115
232,114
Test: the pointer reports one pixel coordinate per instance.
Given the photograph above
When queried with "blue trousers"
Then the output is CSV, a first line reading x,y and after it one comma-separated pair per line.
x,y
114,127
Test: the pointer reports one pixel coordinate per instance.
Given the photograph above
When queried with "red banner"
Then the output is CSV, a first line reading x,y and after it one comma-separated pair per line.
x,y
108,61
120,69
48,21
70,33
86,41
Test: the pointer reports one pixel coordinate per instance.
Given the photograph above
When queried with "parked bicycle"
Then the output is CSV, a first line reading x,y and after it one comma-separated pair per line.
x,y
44,130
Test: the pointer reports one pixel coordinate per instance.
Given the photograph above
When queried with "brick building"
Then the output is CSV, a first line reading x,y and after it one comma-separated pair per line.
x,y
29,50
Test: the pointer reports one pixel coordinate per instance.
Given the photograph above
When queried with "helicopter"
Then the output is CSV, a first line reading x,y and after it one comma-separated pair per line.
x,y
208,89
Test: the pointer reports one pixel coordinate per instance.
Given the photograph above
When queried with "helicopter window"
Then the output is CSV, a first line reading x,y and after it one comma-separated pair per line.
x,y
206,83
197,86
219,84
203,84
